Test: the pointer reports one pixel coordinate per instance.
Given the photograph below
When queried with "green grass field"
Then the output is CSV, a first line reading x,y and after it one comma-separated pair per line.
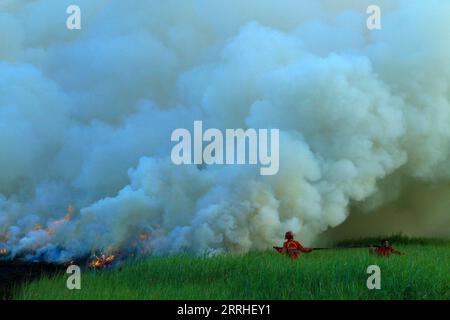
x,y
423,273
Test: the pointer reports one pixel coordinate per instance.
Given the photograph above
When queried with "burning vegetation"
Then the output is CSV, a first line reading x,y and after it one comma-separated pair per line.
x,y
3,252
101,258
113,256
47,229
102,261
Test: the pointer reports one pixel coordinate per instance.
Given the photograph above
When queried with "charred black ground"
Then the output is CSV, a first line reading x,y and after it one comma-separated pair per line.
x,y
14,273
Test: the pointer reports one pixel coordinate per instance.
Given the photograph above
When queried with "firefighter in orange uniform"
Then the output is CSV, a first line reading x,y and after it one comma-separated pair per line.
x,y
292,247
385,249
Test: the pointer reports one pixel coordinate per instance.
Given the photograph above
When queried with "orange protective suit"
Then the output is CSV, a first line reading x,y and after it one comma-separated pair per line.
x,y
292,248
386,251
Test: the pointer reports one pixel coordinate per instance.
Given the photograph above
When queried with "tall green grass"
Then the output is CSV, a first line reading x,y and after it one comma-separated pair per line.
x,y
423,273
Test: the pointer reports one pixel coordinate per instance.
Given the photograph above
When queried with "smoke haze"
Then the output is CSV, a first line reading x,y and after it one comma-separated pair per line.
x,y
86,118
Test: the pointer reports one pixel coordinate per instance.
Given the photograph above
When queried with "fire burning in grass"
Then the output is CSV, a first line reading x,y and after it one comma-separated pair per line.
x,y
4,237
54,224
3,252
105,261
41,231
102,258
102,261
51,227
144,236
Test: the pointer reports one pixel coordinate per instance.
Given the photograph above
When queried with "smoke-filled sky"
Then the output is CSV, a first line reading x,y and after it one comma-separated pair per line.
x,y
86,118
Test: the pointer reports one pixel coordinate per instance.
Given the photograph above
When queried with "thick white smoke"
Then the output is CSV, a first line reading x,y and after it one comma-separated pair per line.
x,y
86,118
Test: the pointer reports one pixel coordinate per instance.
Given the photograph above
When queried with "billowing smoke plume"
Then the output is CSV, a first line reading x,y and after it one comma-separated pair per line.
x,y
86,118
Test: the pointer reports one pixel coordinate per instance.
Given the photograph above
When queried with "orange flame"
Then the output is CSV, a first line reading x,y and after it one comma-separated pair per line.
x,y
67,217
144,236
102,261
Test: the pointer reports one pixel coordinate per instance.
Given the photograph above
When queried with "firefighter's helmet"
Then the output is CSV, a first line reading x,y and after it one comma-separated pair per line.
x,y
289,235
